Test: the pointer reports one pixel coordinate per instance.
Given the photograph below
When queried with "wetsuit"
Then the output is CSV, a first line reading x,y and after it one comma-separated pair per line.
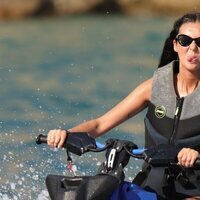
x,y
172,120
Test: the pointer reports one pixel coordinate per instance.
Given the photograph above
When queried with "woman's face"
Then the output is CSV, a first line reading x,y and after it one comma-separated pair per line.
x,y
189,56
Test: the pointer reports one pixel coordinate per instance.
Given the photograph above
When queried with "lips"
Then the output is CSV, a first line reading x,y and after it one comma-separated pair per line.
x,y
193,59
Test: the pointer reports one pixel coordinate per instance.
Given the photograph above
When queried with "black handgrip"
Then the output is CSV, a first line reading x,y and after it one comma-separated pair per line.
x,y
41,139
197,164
77,143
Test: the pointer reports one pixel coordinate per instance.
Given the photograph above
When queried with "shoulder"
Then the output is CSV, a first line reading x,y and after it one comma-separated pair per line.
x,y
145,88
147,85
148,82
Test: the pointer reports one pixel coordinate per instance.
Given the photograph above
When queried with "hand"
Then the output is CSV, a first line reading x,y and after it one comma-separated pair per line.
x,y
187,157
56,138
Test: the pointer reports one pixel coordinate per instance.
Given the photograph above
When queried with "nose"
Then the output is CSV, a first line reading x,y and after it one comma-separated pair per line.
x,y
193,45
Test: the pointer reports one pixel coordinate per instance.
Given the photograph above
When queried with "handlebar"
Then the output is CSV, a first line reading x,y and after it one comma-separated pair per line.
x,y
80,143
77,143
86,143
41,139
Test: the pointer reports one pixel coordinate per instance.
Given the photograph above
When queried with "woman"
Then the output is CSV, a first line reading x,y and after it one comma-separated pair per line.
x,y
172,97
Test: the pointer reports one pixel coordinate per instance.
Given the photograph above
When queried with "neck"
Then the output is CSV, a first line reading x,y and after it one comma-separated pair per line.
x,y
186,83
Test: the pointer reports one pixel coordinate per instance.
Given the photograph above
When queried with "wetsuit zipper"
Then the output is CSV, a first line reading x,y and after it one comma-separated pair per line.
x,y
179,105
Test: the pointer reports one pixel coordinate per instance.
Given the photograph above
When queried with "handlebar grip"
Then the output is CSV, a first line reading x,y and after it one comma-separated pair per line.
x,y
197,164
138,151
41,139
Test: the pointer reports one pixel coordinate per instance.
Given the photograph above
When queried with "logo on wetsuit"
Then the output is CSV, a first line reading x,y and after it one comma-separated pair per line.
x,y
160,112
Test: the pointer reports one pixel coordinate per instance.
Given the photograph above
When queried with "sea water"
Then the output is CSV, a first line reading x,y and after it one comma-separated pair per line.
x,y
58,72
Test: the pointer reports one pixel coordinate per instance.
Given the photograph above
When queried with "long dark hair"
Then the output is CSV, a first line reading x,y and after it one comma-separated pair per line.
x,y
168,53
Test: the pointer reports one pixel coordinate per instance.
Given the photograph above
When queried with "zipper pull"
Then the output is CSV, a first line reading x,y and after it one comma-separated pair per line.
x,y
176,112
179,106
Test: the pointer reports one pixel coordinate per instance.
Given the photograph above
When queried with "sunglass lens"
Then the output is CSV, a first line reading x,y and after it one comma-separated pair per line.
x,y
184,40
198,42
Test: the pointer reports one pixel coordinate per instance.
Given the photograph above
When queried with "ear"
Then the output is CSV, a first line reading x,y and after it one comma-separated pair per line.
x,y
175,45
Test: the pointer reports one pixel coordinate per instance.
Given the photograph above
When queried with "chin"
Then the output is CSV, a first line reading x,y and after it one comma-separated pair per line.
x,y
193,67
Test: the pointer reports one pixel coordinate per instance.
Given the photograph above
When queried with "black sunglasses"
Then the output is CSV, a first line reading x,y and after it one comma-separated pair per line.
x,y
185,40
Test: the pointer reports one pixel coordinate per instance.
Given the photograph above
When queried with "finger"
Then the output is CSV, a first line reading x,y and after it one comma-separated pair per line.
x,y
183,160
56,139
180,154
194,157
188,163
63,136
192,161
51,137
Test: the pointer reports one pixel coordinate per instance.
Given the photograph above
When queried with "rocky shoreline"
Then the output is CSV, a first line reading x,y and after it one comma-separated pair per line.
x,y
15,9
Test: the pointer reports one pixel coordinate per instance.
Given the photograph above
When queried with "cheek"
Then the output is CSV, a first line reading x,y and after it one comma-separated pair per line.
x,y
181,52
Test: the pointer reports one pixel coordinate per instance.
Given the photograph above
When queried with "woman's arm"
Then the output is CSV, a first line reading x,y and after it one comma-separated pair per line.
x,y
135,102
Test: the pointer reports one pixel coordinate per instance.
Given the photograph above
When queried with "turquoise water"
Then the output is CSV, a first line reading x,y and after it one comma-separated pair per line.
x,y
59,72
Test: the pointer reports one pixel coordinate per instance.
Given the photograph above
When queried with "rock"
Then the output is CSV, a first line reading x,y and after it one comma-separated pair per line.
x,y
17,8
160,6
27,8
74,6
